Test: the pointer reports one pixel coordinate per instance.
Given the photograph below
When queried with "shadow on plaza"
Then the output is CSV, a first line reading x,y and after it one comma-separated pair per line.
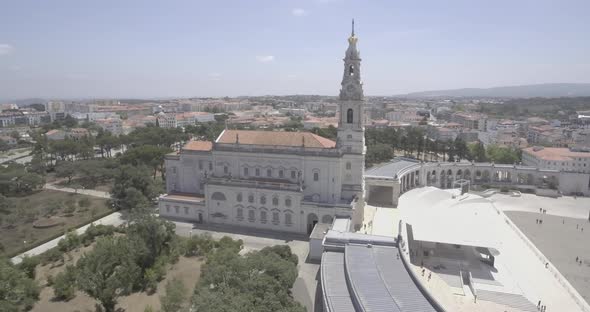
x,y
232,229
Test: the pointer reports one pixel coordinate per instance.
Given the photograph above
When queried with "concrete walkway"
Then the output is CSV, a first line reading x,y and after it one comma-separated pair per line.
x,y
95,193
114,218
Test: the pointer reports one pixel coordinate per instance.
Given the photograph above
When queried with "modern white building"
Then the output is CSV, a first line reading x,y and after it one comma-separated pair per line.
x,y
283,181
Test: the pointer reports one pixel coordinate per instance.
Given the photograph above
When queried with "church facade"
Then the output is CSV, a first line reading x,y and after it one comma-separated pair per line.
x,y
270,180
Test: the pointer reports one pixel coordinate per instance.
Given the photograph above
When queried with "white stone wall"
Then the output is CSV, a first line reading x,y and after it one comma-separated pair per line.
x,y
182,210
258,208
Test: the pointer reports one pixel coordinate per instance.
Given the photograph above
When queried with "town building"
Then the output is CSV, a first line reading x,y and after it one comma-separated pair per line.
x,y
112,125
557,158
282,181
471,120
23,117
175,120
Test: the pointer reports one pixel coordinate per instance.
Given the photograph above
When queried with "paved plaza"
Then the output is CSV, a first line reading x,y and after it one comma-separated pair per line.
x,y
560,239
565,206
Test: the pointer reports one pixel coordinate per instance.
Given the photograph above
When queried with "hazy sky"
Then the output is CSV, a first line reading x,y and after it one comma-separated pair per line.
x,y
124,48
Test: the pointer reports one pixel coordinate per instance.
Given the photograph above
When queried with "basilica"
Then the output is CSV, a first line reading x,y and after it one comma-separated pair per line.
x,y
275,180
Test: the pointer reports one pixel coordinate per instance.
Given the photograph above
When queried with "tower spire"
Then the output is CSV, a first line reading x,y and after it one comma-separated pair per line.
x,y
352,28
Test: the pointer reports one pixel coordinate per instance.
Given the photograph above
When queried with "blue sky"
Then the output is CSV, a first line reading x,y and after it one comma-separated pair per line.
x,y
173,48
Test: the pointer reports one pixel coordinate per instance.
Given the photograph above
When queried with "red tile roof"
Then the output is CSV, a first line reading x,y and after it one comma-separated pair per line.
x,y
203,146
275,138
555,153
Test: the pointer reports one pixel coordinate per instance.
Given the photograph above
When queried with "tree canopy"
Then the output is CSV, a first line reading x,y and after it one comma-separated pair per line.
x,y
257,281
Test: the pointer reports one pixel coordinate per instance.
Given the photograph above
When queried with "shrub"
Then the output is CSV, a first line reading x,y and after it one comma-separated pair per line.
x,y
150,278
173,300
199,245
70,242
28,265
18,292
50,280
149,308
64,286
70,207
84,202
51,208
94,231
51,255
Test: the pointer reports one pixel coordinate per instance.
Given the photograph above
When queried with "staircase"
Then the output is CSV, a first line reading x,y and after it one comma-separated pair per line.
x,y
514,301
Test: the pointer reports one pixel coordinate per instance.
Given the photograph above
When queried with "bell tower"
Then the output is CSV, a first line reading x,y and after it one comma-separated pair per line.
x,y
351,121
351,126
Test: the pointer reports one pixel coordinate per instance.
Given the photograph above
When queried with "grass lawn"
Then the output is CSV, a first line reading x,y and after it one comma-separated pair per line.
x,y
16,227
188,270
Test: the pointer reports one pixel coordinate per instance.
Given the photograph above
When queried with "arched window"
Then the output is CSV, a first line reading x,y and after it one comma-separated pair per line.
x,y
250,198
240,214
351,70
288,219
316,176
275,201
348,166
349,115
251,216
263,200
263,216
239,197
288,202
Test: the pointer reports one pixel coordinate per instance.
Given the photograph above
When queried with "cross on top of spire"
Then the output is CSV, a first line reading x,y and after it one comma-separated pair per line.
x,y
352,27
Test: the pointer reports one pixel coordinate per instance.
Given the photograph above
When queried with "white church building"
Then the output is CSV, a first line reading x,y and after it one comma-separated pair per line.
x,y
271,180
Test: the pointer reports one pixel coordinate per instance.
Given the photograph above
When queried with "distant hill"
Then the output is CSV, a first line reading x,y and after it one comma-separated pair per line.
x,y
538,90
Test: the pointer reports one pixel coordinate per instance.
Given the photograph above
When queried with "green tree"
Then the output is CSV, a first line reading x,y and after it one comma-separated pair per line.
x,y
18,292
28,265
4,145
66,169
132,177
477,152
258,281
148,155
5,204
64,284
173,300
70,242
460,148
70,121
503,155
108,271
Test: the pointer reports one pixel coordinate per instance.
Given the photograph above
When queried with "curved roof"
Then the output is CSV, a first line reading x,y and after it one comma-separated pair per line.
x,y
444,216
390,169
368,278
